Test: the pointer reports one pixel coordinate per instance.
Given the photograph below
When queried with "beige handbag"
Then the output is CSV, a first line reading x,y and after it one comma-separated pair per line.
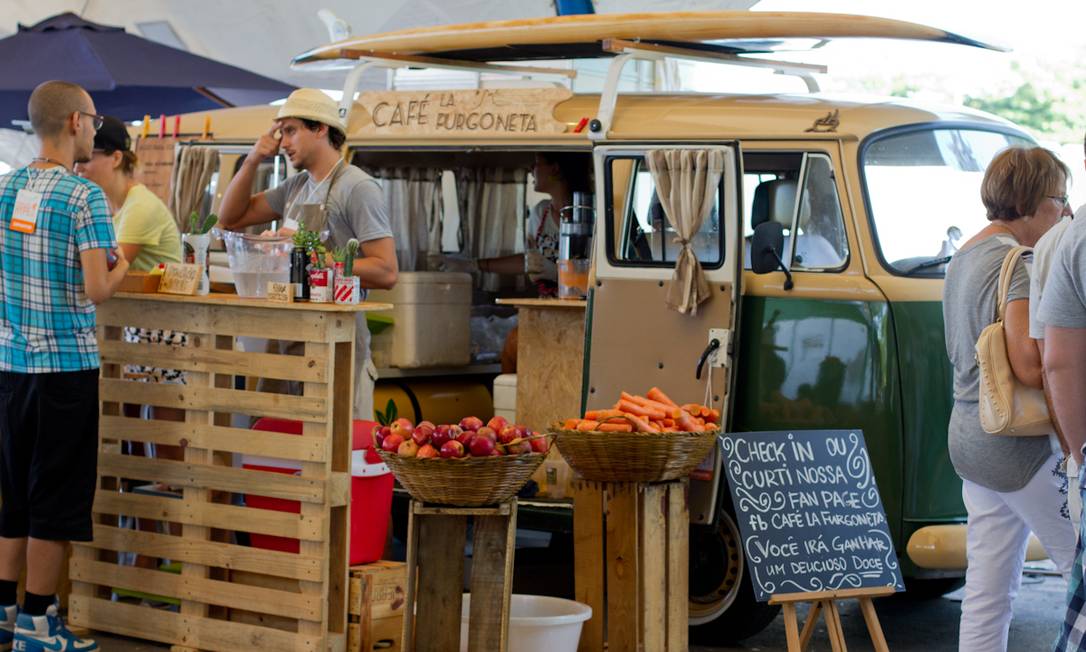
x,y
1007,407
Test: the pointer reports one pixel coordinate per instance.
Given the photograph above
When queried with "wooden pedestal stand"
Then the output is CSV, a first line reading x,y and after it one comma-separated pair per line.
x,y
631,547
435,577
824,602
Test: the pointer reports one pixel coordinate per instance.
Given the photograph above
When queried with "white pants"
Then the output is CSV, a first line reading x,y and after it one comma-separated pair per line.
x,y
996,537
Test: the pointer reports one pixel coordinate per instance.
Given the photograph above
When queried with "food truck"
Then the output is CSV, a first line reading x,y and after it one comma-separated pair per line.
x,y
864,201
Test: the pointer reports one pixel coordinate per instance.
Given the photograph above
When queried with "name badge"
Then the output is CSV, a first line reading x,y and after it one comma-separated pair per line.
x,y
24,218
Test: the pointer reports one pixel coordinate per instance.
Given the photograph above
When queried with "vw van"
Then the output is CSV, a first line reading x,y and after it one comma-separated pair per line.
x,y
824,251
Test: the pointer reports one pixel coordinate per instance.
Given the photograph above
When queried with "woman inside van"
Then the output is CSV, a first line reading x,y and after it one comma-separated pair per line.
x,y
1010,485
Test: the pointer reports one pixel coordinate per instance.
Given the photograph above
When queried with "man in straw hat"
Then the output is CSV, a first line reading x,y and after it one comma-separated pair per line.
x,y
329,196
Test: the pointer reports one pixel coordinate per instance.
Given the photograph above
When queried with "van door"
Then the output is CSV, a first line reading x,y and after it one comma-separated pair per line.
x,y
633,340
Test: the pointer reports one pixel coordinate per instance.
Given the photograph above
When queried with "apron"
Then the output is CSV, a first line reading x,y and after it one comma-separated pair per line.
x,y
314,217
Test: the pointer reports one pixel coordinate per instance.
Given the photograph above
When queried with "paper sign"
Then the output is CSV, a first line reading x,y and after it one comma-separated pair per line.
x,y
24,218
809,512
279,292
181,278
156,157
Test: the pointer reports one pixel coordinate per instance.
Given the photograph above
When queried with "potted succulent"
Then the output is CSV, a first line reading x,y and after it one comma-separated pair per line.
x,y
320,275
347,287
196,240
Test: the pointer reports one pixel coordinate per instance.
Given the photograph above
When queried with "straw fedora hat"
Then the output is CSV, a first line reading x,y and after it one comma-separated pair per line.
x,y
312,104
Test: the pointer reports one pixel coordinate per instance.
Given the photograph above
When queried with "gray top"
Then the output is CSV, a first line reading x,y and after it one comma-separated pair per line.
x,y
1043,253
1064,301
969,304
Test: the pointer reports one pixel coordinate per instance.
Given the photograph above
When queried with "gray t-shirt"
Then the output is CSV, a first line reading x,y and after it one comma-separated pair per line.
x,y
969,305
1064,301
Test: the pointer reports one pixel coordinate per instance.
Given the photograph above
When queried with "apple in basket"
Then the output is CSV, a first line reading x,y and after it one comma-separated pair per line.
x,y
426,451
452,448
518,447
488,433
391,443
507,434
402,427
465,437
408,448
442,434
539,444
423,432
497,423
482,446
379,433
471,423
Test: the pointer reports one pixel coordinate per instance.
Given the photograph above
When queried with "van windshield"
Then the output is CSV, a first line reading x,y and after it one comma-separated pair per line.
x,y
923,188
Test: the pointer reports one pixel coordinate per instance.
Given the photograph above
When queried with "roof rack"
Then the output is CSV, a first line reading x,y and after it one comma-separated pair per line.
x,y
626,51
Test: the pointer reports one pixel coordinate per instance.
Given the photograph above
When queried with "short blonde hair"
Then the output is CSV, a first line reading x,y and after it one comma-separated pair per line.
x,y
1018,179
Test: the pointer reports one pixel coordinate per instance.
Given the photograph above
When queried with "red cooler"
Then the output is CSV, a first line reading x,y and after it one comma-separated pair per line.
x,y
371,492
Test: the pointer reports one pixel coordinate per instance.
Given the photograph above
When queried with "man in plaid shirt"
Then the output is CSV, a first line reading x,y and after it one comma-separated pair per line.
x,y
56,248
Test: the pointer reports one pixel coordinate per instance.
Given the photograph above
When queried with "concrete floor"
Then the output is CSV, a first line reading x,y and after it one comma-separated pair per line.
x,y
910,626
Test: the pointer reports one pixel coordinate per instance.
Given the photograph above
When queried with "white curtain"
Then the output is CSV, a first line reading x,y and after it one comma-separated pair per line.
x,y
413,197
192,172
686,183
491,203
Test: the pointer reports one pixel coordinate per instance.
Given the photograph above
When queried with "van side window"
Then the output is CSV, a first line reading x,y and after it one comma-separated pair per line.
x,y
639,229
798,190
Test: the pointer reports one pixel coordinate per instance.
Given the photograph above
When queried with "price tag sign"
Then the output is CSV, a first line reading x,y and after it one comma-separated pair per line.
x,y
279,292
24,218
181,278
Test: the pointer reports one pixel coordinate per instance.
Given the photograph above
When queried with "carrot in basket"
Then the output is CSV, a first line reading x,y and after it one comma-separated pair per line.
x,y
570,424
615,427
639,424
633,408
587,425
657,395
668,423
687,423
602,415
714,416
669,411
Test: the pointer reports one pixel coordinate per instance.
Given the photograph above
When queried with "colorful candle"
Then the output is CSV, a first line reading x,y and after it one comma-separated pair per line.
x,y
146,126
176,126
162,125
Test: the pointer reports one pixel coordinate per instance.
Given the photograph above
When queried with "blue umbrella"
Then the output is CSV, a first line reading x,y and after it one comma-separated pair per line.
x,y
127,76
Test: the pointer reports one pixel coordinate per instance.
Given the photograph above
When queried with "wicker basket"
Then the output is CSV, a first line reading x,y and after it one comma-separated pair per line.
x,y
634,456
465,481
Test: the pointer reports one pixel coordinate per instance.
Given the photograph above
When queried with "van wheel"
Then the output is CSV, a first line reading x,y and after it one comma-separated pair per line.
x,y
931,588
722,604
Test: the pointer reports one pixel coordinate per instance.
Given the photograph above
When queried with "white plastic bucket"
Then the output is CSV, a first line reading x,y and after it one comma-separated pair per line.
x,y
537,623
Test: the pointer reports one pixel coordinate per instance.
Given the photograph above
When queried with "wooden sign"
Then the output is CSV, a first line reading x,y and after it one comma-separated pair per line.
x,y
279,292
156,159
809,512
181,278
484,112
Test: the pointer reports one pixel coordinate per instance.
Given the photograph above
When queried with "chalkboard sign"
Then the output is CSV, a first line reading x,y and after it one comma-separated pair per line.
x,y
809,512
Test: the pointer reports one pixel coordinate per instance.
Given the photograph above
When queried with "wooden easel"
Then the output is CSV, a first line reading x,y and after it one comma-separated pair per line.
x,y
825,601
435,576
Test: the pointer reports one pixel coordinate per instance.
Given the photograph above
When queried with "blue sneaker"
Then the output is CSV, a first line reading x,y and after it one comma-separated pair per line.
x,y
47,634
7,626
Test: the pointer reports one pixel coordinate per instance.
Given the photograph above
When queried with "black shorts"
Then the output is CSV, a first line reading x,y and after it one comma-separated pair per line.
x,y
48,454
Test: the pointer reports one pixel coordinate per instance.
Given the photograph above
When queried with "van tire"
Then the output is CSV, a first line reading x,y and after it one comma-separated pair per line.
x,y
719,581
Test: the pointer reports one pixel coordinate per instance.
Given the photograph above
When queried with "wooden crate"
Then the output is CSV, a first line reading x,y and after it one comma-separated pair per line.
x,y
435,577
375,600
631,549
217,574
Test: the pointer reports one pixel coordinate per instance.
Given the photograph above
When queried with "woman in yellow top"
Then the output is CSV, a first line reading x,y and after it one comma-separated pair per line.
x,y
145,228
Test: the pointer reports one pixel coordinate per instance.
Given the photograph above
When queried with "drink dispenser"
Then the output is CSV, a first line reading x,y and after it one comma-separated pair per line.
x,y
575,247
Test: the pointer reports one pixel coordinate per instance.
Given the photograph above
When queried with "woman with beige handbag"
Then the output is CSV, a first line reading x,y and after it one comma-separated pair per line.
x,y
1009,484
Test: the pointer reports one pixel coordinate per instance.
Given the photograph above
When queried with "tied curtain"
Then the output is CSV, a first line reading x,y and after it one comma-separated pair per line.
x,y
413,197
686,183
192,172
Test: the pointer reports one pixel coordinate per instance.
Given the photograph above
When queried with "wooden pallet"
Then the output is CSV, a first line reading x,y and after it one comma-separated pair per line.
x,y
435,577
219,576
375,602
630,554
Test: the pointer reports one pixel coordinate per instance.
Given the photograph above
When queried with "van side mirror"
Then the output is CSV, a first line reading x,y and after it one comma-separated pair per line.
x,y
766,249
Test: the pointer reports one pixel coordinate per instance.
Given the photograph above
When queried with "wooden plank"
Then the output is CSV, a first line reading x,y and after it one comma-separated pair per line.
x,y
833,626
440,563
791,628
412,578
168,627
228,517
878,639
623,606
214,399
192,317
810,624
653,564
491,575
678,566
234,301
199,589
500,510
209,553
839,594
208,476
208,360
234,440
588,560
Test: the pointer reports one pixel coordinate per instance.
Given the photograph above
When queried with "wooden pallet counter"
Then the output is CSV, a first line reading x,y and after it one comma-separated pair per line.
x,y
206,523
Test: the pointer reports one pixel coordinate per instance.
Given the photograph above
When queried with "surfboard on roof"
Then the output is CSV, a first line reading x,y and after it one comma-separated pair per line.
x,y
582,36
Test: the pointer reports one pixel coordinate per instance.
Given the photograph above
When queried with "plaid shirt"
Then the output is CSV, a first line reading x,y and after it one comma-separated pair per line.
x,y
1072,636
46,320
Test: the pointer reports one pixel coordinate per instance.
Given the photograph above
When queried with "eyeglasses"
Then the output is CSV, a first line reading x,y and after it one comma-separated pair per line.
x,y
96,120
1063,199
